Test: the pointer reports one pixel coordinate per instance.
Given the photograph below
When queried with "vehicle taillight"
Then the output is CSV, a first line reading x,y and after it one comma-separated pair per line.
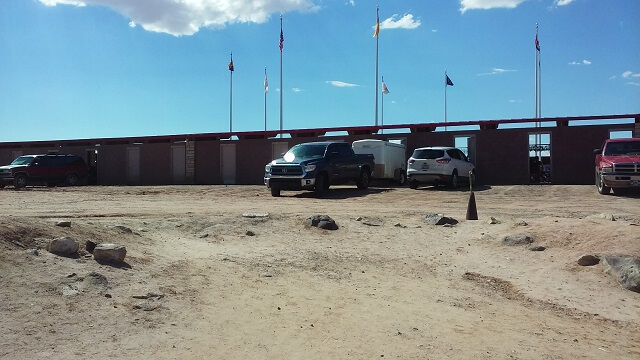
x,y
412,160
443,161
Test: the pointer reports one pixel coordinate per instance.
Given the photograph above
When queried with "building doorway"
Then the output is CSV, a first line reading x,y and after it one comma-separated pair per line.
x,y
133,165
228,163
540,158
178,163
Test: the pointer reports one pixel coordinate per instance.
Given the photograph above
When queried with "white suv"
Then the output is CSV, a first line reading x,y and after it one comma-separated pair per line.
x,y
439,165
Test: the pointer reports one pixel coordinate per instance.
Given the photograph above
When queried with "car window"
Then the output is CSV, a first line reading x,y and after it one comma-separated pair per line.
x,y
427,154
41,161
462,155
344,150
453,153
22,160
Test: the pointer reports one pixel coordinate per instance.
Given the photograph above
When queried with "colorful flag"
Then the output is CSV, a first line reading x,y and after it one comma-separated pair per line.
x,y
385,90
231,65
266,83
537,43
281,40
375,34
448,81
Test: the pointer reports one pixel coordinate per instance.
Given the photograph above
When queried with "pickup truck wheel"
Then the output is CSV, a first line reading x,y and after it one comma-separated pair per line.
x,y
602,188
275,192
20,181
363,179
413,184
72,180
454,179
1,186
402,179
321,185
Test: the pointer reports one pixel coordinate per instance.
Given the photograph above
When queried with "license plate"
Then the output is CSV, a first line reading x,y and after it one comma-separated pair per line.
x,y
635,183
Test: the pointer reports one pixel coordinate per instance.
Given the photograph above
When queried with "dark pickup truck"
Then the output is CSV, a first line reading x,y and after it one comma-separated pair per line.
x,y
317,165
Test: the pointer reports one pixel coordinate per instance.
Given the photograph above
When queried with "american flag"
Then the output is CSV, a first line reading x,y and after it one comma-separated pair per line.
x,y
281,40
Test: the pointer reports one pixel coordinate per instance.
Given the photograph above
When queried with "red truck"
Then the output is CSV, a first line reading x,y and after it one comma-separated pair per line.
x,y
618,165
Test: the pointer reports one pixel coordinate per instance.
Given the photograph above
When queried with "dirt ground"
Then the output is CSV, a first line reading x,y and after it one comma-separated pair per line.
x,y
229,272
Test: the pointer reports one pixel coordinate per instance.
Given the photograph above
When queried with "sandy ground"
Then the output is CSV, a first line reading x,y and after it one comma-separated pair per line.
x,y
384,285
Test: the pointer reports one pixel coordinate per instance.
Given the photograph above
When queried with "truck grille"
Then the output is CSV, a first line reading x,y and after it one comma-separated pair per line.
x,y
286,170
627,168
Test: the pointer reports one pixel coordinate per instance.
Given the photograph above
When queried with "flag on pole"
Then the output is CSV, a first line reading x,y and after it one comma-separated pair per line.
x,y
281,39
385,90
448,81
375,34
537,43
231,64
266,82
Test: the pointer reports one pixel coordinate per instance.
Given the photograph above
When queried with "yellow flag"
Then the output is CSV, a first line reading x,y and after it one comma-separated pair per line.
x,y
377,26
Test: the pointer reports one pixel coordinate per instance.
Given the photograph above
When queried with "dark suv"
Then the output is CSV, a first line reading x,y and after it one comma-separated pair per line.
x,y
49,169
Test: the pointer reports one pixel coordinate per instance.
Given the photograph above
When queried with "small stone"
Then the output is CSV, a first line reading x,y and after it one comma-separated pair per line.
x,y
537,248
90,245
250,233
588,260
517,239
63,223
493,221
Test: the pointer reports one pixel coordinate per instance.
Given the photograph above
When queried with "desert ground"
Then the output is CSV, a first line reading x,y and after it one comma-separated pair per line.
x,y
229,272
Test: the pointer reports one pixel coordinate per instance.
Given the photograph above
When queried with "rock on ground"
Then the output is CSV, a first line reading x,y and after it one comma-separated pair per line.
x,y
625,269
110,253
63,246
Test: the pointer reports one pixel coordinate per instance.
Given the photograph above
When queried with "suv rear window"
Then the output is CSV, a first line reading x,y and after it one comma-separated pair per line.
x,y
427,154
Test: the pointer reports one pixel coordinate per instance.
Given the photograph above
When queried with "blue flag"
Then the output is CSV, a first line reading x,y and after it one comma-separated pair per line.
x,y
448,81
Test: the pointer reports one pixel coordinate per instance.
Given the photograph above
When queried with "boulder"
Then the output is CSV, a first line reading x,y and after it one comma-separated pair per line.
x,y
112,253
322,222
517,239
625,269
63,246
439,219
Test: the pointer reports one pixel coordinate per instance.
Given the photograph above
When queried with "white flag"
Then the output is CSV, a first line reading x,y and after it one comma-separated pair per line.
x,y
385,90
266,83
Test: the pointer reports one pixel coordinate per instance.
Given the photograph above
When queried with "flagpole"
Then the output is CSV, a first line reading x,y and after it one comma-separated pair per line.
x,y
265,98
281,89
377,35
537,95
231,95
445,99
382,118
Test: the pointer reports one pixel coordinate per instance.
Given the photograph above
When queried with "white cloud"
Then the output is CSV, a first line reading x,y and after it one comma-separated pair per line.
x,y
351,2
495,71
628,74
405,22
633,83
393,102
434,30
562,2
296,90
132,24
63,2
583,62
341,84
186,17
613,77
488,4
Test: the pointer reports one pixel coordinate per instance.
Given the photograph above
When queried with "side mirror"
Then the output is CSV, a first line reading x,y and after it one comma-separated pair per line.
x,y
597,151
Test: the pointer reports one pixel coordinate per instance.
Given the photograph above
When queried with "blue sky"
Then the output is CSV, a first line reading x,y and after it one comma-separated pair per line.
x,y
73,69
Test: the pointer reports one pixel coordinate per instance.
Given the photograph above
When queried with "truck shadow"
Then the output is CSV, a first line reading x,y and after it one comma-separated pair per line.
x,y
462,188
339,193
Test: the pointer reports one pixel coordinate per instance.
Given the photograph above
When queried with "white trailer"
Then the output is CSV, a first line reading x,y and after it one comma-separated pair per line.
x,y
390,158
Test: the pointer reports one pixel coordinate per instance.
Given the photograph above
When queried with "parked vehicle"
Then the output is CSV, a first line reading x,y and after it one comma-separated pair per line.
x,y
618,165
49,169
390,158
439,166
316,166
